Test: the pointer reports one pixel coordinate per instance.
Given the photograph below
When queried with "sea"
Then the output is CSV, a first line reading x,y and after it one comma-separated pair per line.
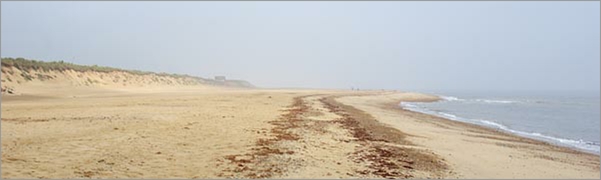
x,y
565,119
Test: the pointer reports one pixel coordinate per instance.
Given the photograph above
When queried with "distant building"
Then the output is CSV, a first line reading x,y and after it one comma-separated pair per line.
x,y
220,78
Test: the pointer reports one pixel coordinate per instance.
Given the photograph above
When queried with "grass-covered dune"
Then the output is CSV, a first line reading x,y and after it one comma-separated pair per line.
x,y
19,72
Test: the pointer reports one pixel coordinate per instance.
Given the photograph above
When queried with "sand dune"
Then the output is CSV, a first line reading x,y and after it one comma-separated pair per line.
x,y
30,77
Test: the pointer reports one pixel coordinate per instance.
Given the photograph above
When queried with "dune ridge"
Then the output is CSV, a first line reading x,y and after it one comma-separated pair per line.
x,y
23,76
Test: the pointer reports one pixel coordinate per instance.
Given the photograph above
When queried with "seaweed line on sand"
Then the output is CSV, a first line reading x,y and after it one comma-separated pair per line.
x,y
257,164
378,151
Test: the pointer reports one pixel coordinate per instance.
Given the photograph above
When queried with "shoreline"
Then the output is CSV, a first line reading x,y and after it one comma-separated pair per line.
x,y
507,133
453,139
501,130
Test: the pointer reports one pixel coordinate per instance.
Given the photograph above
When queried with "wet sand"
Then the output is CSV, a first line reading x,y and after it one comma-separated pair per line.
x,y
472,151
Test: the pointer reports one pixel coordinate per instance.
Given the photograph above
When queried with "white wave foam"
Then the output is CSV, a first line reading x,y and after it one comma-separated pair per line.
x,y
495,101
580,144
406,104
415,108
450,98
500,126
447,115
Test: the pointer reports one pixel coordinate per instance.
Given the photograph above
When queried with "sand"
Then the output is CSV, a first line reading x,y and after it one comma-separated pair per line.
x,y
210,132
121,135
475,152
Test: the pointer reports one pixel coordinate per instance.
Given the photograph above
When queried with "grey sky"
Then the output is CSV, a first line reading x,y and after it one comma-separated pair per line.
x,y
391,45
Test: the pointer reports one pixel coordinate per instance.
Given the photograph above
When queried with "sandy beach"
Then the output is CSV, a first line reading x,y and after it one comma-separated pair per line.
x,y
300,90
210,132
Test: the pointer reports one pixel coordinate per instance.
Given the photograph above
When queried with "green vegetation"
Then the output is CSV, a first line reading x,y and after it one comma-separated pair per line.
x,y
43,77
26,64
26,76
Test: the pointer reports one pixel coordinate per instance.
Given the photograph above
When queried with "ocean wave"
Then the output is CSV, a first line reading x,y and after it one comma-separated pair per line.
x,y
495,101
405,104
447,115
450,98
580,144
490,101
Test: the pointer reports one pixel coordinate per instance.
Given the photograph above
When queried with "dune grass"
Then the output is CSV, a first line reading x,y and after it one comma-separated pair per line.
x,y
27,64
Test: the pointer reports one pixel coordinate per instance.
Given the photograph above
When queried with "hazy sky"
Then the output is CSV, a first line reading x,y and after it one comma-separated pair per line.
x,y
392,45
